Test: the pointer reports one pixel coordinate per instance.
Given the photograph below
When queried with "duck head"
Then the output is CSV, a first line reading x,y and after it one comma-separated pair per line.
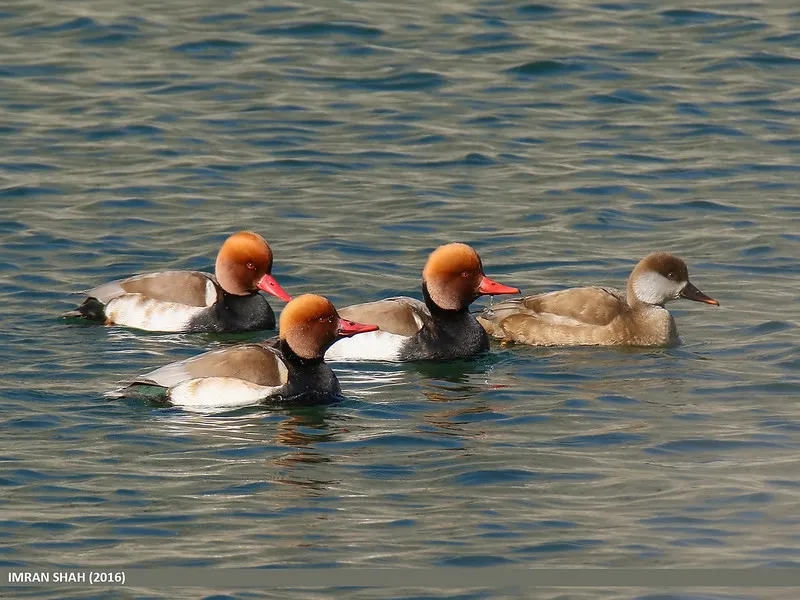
x,y
453,278
244,264
660,278
309,325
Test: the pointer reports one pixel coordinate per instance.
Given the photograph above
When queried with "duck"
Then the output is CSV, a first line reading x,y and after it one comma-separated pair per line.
x,y
291,369
194,301
438,328
600,316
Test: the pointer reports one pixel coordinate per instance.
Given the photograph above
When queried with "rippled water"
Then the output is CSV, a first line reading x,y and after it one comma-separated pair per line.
x,y
564,140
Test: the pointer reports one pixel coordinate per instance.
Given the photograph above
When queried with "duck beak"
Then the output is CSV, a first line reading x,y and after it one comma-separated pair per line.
x,y
350,328
493,288
690,292
268,284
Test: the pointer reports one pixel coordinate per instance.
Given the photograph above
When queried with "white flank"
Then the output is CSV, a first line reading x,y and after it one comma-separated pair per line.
x,y
211,293
283,371
218,392
654,288
373,345
135,310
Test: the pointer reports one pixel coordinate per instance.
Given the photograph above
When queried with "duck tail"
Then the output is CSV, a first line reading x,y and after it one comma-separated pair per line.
x,y
91,309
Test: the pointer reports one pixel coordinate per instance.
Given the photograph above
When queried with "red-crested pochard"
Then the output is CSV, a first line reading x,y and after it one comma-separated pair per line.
x,y
598,316
440,328
290,370
193,301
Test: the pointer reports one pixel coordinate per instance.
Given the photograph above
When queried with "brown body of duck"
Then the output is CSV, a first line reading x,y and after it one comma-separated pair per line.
x,y
599,316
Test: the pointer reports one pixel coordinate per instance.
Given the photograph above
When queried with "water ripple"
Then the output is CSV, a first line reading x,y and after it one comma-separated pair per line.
x,y
564,141
323,29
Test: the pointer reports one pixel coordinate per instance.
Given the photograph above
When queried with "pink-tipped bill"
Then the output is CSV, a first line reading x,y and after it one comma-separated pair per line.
x,y
493,288
268,284
350,328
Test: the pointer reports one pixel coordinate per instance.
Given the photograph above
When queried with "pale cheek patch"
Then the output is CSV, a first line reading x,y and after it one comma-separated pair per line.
x,y
653,288
135,310
373,345
218,392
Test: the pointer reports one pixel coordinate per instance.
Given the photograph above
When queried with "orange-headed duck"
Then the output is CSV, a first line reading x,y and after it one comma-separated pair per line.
x,y
598,316
440,328
291,369
194,301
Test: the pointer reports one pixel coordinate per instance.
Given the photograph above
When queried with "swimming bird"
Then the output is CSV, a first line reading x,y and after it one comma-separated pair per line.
x,y
599,316
193,301
440,328
290,370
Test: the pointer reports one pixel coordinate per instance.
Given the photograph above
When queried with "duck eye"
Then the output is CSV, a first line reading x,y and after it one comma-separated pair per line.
x,y
251,266
671,275
465,274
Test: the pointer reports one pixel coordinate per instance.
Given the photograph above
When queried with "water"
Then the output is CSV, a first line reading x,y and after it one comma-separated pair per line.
x,y
564,141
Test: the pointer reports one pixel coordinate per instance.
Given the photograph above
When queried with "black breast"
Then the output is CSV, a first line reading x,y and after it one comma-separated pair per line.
x,y
310,381
232,314
447,335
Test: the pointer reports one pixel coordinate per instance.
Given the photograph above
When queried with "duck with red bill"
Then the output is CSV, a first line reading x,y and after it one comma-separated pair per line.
x,y
194,301
291,370
437,328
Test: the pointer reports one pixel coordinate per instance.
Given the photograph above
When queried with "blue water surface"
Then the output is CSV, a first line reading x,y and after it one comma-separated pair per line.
x,y
564,141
